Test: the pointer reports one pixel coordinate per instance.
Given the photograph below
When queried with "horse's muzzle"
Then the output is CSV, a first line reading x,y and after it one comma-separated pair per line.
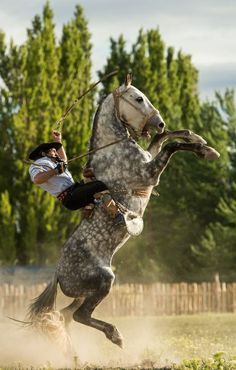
x,y
157,123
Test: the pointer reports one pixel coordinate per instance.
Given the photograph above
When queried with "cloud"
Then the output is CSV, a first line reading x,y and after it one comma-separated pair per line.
x,y
217,77
204,28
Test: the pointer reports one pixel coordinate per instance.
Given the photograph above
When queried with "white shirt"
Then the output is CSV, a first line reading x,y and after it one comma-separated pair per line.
x,y
56,184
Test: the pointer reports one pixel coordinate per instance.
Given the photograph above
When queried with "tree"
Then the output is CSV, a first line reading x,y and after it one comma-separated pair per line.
x,y
75,77
118,58
216,250
7,230
31,102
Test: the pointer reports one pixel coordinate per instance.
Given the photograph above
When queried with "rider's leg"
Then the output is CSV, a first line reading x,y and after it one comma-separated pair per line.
x,y
82,194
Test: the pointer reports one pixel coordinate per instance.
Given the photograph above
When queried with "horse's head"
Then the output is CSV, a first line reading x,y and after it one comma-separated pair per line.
x,y
135,111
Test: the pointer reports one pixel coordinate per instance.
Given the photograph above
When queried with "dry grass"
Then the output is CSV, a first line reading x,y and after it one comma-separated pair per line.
x,y
150,343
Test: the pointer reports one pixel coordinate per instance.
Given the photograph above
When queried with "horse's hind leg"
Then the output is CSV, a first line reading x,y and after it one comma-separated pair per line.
x,y
67,312
84,312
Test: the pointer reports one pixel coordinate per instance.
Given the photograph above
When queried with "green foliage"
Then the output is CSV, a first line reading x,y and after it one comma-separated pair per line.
x,y
40,79
218,362
7,229
119,58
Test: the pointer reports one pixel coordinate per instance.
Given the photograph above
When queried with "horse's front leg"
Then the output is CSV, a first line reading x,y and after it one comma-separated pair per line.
x,y
186,135
158,164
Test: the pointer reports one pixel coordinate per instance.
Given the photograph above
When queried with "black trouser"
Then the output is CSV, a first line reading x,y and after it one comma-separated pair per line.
x,y
81,194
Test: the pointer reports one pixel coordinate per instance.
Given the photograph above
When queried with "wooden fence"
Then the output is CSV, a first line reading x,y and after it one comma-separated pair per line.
x,y
137,299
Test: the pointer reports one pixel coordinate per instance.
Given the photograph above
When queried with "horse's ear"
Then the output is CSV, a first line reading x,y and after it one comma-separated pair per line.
x,y
128,79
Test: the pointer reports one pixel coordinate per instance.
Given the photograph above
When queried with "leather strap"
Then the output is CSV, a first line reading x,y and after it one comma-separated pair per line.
x,y
117,96
142,192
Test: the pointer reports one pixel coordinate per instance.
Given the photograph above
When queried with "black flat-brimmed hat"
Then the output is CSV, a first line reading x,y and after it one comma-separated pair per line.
x,y
44,147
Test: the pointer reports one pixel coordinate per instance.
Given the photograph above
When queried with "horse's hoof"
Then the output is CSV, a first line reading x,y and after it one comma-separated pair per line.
x,y
210,153
194,138
114,336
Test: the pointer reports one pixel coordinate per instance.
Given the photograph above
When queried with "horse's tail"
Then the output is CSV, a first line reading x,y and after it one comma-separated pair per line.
x,y
44,303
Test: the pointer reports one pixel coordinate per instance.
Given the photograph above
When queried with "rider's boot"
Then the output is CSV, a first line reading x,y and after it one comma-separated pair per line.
x,y
110,207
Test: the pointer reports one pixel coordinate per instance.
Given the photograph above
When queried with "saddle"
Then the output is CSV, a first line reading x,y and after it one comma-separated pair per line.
x,y
132,222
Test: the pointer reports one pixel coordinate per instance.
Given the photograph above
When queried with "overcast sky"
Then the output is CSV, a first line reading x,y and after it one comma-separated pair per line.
x,y
204,29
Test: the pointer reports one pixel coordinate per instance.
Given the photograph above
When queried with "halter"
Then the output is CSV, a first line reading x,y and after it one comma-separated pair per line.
x,y
120,95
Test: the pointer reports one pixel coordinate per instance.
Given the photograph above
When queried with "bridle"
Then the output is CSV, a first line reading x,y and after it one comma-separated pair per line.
x,y
120,95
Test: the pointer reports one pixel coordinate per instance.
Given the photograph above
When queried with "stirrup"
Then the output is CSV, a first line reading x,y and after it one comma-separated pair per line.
x,y
106,202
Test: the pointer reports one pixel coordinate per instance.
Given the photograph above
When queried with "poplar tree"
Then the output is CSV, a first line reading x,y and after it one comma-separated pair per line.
x,y
7,230
141,66
173,115
75,78
119,59
216,251
159,94
31,102
33,125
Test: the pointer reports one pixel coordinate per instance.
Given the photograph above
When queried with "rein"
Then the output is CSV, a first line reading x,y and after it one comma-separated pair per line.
x,y
82,155
97,149
59,122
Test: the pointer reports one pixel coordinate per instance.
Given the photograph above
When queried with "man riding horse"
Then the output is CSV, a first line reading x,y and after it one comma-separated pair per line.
x,y
49,171
84,271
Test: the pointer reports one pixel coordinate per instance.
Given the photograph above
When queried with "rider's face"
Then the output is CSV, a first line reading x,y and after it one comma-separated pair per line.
x,y
52,152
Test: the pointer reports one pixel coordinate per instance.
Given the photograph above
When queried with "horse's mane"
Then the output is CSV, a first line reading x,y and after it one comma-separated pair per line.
x,y
95,123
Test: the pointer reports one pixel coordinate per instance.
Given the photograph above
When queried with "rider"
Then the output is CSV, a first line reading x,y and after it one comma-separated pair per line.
x,y
49,171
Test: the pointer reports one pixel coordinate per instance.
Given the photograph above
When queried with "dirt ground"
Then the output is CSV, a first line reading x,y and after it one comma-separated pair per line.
x,y
149,342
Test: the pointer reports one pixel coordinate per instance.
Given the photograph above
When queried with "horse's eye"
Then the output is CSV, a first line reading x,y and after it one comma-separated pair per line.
x,y
139,99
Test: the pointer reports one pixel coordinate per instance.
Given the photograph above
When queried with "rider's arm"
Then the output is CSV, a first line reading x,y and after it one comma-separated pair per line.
x,y
42,177
61,152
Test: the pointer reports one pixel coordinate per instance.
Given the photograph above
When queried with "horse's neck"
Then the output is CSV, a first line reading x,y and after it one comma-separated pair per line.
x,y
114,165
108,128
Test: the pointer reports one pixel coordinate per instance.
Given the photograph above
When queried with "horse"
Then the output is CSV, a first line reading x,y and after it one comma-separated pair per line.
x,y
84,270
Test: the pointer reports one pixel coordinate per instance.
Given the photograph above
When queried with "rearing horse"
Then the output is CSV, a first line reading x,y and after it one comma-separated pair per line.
x,y
130,173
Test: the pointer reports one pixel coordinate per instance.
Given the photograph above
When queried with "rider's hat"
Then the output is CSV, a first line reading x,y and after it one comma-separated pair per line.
x,y
44,147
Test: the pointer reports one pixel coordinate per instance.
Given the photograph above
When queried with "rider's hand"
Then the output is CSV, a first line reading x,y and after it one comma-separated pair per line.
x,y
56,136
60,167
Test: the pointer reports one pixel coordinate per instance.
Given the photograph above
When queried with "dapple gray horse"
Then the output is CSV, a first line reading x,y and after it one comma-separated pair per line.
x,y
130,173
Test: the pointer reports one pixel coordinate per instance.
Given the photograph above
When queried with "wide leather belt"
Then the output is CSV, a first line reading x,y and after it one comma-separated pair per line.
x,y
63,195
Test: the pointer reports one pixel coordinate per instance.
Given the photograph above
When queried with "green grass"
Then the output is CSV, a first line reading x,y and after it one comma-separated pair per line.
x,y
217,362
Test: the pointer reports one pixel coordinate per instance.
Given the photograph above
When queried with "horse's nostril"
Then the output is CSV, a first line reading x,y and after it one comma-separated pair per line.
x,y
161,125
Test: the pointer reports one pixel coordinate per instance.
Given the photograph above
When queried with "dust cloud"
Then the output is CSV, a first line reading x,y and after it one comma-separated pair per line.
x,y
22,346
